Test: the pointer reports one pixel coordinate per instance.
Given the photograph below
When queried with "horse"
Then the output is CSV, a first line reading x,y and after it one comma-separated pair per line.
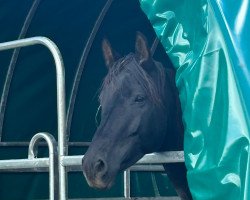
x,y
140,114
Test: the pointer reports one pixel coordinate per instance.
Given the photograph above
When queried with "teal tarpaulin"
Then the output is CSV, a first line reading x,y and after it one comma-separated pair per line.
x,y
208,43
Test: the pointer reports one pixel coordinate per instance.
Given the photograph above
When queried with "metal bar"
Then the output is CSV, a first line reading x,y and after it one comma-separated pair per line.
x,y
23,164
62,139
12,64
164,157
148,168
53,160
26,144
153,158
68,161
132,198
144,168
81,65
27,170
126,178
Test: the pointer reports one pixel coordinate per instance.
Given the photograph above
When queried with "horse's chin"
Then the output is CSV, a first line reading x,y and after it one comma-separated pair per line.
x,y
99,183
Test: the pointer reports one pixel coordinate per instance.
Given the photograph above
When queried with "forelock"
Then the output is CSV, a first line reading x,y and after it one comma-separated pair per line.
x,y
153,88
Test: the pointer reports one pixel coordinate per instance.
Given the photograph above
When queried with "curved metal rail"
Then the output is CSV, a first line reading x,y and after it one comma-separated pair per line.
x,y
81,65
60,80
53,160
37,163
13,62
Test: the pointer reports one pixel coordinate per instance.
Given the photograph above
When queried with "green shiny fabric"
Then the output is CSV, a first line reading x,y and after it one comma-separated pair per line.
x,y
215,112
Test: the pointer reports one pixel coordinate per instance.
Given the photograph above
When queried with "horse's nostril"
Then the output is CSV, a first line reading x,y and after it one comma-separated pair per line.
x,y
100,166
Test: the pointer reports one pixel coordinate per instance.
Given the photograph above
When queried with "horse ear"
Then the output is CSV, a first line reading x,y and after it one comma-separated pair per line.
x,y
141,47
143,53
108,53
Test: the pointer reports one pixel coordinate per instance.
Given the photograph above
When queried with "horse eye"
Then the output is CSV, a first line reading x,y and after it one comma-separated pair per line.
x,y
139,99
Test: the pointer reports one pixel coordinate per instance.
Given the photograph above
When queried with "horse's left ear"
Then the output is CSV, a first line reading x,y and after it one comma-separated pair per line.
x,y
141,47
108,53
143,52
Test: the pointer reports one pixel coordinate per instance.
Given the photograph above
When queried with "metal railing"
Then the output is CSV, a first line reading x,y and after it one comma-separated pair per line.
x,y
60,81
59,163
33,162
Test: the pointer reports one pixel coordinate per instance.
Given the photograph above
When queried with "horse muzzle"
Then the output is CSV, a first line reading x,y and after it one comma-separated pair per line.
x,y
96,173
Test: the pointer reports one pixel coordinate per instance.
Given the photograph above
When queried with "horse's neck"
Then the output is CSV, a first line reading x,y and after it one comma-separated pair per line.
x,y
175,132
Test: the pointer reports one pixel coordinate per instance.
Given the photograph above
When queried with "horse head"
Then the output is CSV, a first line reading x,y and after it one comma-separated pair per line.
x,y
138,110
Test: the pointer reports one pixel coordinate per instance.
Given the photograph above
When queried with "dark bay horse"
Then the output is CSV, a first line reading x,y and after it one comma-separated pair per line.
x,y
140,114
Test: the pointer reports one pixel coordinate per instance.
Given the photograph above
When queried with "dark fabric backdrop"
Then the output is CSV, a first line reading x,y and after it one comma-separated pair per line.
x,y
31,105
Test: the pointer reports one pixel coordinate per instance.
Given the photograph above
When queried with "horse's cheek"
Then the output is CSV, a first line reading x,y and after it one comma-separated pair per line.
x,y
134,125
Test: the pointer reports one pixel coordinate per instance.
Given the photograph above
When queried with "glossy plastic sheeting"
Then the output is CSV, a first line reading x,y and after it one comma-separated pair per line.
x,y
208,44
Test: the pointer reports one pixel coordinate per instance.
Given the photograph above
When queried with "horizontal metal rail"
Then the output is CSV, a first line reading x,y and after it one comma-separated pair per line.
x,y
29,168
26,144
74,163
131,198
134,168
153,158
8,165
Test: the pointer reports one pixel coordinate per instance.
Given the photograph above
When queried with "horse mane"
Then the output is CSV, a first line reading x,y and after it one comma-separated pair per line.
x,y
154,89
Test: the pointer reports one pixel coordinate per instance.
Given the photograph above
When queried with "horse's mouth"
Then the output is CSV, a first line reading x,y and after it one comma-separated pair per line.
x,y
101,185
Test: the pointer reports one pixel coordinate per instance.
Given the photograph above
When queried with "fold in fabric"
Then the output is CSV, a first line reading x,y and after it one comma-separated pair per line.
x,y
207,43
